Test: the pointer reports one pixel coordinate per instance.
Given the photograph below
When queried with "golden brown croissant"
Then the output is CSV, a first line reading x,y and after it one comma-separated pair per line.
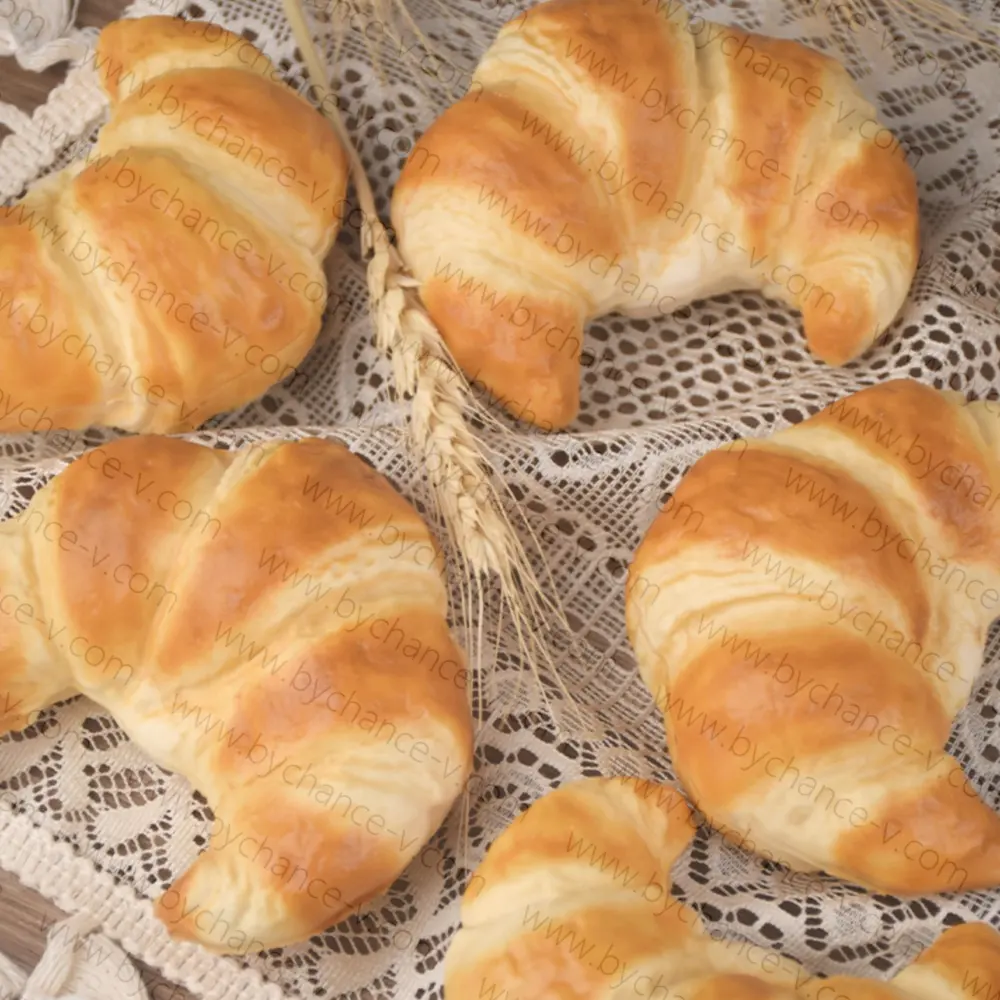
x,y
269,623
613,155
178,272
573,901
813,624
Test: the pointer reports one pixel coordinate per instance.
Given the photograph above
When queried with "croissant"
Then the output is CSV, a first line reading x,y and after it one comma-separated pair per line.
x,y
615,155
177,272
810,613
574,899
269,623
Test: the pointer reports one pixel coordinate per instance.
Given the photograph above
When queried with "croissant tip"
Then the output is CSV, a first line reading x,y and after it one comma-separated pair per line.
x,y
181,923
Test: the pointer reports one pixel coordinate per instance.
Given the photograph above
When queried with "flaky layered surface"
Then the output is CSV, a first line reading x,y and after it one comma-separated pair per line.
x,y
177,273
271,624
616,156
573,902
810,612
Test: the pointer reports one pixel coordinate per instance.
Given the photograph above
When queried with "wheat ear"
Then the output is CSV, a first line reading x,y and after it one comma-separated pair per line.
x,y
459,475
943,19
392,18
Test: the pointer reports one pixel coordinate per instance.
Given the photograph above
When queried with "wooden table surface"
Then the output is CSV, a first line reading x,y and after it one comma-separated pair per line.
x,y
26,916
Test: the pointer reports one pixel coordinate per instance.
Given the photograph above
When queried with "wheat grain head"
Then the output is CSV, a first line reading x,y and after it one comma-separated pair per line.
x,y
458,471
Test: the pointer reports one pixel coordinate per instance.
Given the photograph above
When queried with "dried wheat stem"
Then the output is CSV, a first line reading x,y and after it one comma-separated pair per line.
x,y
423,369
392,17
944,19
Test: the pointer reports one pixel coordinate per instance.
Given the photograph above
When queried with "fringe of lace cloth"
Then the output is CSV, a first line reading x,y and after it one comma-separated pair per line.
x,y
30,149
56,41
83,963
77,965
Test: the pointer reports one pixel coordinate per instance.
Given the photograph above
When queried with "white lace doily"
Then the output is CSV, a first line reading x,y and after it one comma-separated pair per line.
x,y
87,820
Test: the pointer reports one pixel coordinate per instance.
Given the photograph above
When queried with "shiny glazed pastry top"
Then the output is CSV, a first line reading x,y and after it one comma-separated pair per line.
x,y
810,611
176,272
619,155
269,623
573,902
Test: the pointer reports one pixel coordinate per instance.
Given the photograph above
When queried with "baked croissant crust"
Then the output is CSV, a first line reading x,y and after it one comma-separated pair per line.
x,y
810,612
573,900
176,272
269,623
615,155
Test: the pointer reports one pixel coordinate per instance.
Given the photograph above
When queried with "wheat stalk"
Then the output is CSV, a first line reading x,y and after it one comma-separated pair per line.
x,y
944,19
423,369
392,17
